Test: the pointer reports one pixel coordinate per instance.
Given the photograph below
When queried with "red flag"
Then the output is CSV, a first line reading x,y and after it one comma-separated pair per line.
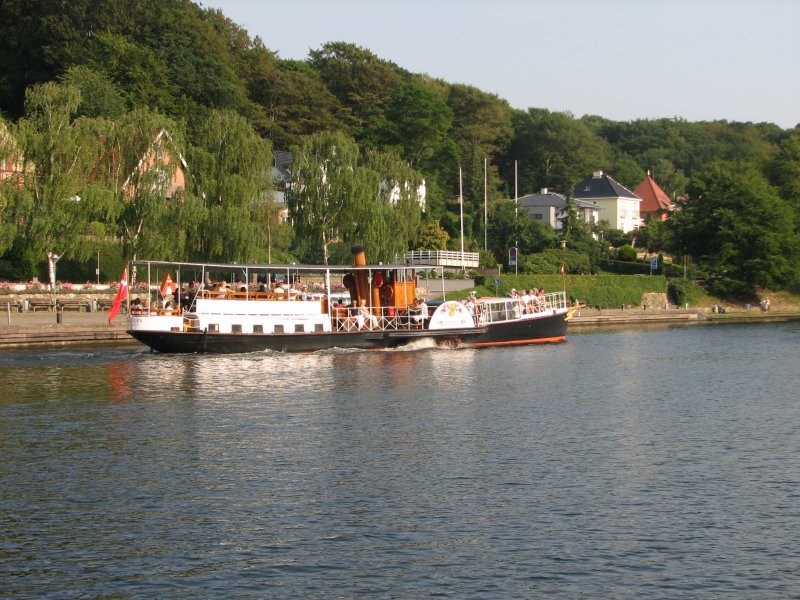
x,y
167,287
122,294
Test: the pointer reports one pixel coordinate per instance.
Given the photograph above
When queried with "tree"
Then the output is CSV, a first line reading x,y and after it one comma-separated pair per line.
x,y
233,179
327,189
431,236
59,192
509,226
419,121
143,151
100,97
361,81
737,227
553,150
336,195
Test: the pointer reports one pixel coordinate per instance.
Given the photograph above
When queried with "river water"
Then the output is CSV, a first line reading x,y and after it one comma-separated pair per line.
x,y
646,463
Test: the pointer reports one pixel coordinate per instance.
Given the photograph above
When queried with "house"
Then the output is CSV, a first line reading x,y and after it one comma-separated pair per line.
x,y
281,176
550,208
10,159
157,156
655,202
620,205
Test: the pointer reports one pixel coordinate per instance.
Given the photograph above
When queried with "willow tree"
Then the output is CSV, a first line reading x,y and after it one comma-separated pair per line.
x,y
329,194
232,168
157,217
339,194
58,192
397,214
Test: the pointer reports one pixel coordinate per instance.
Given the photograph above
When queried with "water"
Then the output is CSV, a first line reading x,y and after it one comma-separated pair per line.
x,y
652,463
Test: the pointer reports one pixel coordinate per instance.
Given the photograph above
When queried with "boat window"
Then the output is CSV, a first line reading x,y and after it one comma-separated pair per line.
x,y
258,329
236,329
278,329
318,327
299,328
213,327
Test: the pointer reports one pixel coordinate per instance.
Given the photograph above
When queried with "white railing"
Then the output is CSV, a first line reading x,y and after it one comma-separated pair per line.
x,y
443,258
508,309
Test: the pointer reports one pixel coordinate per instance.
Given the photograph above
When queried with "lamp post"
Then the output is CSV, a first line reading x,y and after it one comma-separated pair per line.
x,y
97,271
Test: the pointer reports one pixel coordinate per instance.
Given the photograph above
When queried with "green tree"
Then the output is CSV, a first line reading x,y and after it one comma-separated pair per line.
x,y
144,151
737,227
362,82
431,236
232,176
100,97
328,188
553,150
58,193
420,120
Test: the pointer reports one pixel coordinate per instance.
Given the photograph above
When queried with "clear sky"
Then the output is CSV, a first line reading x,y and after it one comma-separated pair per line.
x,y
700,60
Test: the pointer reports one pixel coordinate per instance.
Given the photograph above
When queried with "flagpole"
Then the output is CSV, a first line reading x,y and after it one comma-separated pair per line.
x,y
516,216
485,206
461,211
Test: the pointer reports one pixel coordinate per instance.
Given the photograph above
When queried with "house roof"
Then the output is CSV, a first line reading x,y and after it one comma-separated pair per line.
x,y
654,199
548,198
600,185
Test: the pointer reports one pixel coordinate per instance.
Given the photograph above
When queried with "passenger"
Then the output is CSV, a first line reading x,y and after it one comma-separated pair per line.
x,y
304,293
279,289
513,293
419,312
364,316
136,307
222,289
525,301
262,288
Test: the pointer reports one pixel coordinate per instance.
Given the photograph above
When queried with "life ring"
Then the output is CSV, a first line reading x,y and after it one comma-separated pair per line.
x,y
377,281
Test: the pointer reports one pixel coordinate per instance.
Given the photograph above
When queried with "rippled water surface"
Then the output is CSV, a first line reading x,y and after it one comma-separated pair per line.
x,y
629,463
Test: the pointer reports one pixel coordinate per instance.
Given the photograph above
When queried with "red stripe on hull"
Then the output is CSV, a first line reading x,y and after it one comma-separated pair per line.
x,y
516,342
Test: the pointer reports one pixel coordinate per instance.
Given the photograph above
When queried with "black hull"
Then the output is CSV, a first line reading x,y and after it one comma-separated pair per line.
x,y
540,330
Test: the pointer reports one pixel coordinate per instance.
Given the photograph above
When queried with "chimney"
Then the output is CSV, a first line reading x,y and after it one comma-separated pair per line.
x,y
597,174
544,191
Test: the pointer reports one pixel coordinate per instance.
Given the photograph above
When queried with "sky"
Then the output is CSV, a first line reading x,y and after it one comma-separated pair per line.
x,y
699,60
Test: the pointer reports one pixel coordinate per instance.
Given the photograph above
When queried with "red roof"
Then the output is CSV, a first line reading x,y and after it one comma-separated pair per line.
x,y
655,201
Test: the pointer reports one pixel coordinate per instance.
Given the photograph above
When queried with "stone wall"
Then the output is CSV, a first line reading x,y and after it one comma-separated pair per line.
x,y
654,301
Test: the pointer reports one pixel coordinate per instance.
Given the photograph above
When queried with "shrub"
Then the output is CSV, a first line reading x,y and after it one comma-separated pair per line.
x,y
626,253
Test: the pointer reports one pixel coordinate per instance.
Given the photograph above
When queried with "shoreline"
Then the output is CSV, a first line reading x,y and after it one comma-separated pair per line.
x,y
44,329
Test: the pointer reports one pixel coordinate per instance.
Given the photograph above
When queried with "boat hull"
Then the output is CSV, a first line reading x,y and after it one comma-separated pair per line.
x,y
539,330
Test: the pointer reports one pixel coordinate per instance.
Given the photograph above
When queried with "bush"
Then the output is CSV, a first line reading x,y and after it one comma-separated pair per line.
x,y
685,291
627,253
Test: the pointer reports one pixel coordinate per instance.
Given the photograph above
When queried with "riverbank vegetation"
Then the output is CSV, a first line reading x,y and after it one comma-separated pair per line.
x,y
100,80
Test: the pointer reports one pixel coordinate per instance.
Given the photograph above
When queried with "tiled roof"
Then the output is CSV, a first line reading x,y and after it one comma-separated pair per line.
x,y
601,185
654,199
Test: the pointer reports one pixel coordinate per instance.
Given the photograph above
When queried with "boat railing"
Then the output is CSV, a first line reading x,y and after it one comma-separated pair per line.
x,y
509,309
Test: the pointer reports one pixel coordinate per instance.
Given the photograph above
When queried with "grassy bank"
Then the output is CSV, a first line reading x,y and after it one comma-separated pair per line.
x,y
610,291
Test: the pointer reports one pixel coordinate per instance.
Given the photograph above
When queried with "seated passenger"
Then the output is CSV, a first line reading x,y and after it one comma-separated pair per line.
x,y
419,312
365,317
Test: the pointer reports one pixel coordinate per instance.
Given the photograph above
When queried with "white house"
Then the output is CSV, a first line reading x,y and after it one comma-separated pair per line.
x,y
550,208
620,206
